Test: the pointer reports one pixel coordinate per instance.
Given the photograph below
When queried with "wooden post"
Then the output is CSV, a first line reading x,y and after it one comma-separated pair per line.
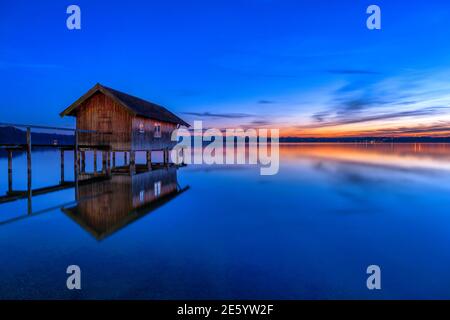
x,y
125,156
62,166
114,159
95,161
149,160
83,161
108,162
166,157
76,166
76,156
103,161
10,171
132,162
29,186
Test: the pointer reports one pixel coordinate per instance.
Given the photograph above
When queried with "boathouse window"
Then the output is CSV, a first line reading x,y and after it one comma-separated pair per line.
x,y
141,128
157,130
157,189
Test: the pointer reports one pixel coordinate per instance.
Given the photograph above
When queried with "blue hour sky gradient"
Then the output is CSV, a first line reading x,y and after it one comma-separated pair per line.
x,y
311,68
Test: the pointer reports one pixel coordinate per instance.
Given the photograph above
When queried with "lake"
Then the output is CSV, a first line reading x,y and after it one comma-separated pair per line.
x,y
226,232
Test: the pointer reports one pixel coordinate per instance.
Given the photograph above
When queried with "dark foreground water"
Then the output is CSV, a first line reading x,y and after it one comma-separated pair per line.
x,y
307,233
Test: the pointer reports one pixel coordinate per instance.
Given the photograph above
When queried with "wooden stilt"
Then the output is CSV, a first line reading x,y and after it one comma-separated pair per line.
x,y
103,161
77,165
76,156
108,162
95,161
83,161
166,157
10,171
132,162
62,166
149,160
29,185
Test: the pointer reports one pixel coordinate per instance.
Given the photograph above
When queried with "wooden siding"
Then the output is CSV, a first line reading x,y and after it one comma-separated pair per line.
x,y
147,140
113,122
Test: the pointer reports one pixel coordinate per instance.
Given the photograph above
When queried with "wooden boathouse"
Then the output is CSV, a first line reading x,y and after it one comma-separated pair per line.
x,y
113,121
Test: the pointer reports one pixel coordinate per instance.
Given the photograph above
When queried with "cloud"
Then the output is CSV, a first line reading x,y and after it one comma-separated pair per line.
x,y
376,117
266,102
219,115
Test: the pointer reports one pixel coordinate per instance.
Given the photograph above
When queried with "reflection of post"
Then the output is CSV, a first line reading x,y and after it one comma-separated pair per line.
x,y
9,170
149,160
62,165
132,162
95,161
182,155
29,186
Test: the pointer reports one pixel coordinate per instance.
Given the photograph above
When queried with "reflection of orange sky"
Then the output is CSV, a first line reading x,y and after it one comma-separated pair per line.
x,y
408,155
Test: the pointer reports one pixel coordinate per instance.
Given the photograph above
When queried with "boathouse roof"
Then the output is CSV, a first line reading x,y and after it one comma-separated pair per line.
x,y
135,105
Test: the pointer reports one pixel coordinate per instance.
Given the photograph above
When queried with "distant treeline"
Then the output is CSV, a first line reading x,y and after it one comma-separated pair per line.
x,y
12,135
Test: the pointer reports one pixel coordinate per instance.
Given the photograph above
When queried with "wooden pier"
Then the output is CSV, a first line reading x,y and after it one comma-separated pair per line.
x,y
109,163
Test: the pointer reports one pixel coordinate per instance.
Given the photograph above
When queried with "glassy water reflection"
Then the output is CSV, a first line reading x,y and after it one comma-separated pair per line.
x,y
308,232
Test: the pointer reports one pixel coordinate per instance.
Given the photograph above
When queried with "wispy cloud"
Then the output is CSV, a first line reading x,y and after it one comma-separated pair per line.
x,y
219,115
382,116
266,102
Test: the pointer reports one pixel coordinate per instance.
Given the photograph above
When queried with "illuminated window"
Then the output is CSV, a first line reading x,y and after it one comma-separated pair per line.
x,y
157,189
141,127
157,130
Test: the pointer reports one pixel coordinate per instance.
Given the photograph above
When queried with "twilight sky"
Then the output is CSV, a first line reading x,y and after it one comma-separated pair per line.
x,y
310,68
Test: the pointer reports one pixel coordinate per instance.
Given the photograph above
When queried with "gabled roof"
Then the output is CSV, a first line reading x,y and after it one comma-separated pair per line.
x,y
135,105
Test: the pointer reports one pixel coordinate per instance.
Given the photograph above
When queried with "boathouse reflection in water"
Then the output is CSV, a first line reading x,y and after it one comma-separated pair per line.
x,y
107,206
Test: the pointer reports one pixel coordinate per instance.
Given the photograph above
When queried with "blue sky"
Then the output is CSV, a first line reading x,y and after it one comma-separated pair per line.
x,y
308,67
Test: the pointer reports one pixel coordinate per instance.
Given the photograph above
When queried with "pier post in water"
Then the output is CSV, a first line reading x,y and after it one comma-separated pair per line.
x,y
166,157
125,156
132,162
10,171
95,161
76,161
76,156
62,166
83,161
149,160
113,159
108,162
29,185
103,162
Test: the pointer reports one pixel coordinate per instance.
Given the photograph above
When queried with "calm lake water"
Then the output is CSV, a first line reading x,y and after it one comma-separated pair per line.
x,y
308,232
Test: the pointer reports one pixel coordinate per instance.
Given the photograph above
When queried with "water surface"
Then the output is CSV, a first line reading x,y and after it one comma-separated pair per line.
x,y
225,232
